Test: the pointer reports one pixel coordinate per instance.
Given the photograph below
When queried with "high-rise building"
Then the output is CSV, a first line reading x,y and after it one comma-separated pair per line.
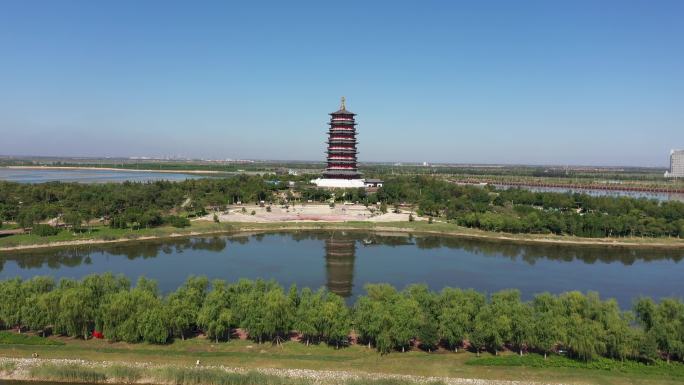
x,y
676,164
341,164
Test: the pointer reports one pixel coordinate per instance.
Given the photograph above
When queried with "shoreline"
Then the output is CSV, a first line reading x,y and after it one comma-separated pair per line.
x,y
387,227
116,169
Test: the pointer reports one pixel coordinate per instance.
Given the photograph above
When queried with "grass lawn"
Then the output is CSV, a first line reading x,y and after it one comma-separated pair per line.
x,y
247,354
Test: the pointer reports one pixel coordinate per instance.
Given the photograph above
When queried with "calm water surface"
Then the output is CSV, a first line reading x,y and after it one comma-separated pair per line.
x,y
660,196
87,176
345,261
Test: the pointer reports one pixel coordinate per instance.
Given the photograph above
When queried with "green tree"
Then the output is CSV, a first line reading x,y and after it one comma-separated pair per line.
x,y
457,311
76,316
215,316
268,316
10,311
307,315
73,219
335,320
546,332
152,325
184,305
585,338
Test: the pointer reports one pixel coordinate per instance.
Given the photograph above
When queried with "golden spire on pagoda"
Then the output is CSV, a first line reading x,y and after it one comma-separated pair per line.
x,y
343,105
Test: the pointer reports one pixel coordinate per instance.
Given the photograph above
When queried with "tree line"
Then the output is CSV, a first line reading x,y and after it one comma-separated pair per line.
x,y
522,211
384,318
140,205
127,204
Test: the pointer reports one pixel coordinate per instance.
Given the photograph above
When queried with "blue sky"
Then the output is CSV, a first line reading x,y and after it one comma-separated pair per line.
x,y
534,82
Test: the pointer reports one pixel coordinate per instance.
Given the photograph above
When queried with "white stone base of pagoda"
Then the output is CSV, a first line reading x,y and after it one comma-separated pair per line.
x,y
338,183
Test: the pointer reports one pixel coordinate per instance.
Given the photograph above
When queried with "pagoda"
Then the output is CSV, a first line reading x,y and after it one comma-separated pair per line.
x,y
341,168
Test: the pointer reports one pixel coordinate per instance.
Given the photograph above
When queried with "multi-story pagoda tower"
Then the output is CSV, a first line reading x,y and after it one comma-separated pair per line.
x,y
341,168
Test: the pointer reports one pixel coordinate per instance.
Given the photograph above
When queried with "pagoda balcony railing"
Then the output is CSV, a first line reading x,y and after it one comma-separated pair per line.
x,y
335,158
341,141
342,151
342,124
344,162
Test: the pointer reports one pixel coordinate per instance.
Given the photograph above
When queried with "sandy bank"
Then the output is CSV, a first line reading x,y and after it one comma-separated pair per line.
x,y
387,227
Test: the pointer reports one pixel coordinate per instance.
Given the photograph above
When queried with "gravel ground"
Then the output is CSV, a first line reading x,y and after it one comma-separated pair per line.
x,y
309,213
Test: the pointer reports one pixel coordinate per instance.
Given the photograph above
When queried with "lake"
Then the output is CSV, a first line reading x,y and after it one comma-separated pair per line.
x,y
345,261
25,175
660,196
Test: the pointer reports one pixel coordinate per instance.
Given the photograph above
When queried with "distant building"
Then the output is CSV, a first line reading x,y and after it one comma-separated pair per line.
x,y
676,164
373,183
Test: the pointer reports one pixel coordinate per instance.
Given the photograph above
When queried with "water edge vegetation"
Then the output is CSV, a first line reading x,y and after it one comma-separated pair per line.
x,y
585,326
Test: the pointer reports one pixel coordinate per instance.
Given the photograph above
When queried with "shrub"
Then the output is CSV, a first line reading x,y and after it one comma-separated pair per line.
x,y
7,367
118,222
45,230
70,373
383,207
192,376
124,374
177,221
9,338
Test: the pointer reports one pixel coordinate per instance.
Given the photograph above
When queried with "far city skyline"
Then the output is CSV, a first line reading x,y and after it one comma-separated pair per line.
x,y
539,83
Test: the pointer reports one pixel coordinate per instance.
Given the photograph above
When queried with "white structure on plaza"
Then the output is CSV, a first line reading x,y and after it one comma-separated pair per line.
x,y
338,183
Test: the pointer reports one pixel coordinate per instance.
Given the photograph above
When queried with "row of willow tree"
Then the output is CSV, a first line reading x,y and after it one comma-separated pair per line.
x,y
387,319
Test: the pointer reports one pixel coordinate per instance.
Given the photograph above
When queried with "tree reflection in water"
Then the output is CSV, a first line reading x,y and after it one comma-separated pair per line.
x,y
339,248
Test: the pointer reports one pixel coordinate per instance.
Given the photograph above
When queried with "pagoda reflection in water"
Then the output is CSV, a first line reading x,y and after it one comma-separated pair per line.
x,y
340,253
